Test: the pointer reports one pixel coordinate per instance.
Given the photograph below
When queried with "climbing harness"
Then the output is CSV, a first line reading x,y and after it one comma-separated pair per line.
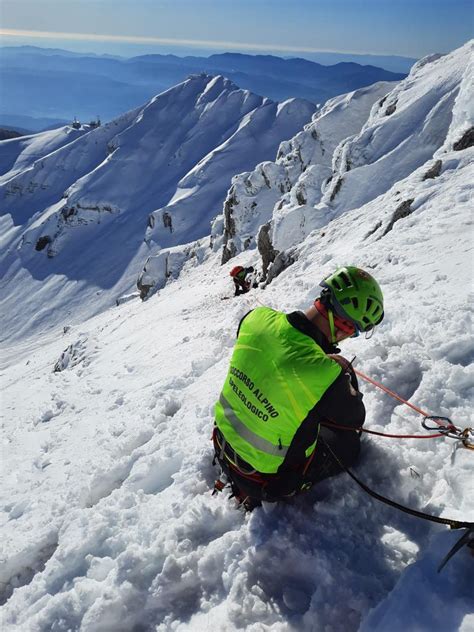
x,y
229,461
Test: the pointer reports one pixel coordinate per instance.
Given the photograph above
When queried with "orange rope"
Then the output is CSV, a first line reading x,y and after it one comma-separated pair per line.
x,y
391,393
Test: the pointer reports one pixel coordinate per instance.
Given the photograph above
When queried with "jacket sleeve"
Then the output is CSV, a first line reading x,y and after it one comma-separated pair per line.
x,y
342,403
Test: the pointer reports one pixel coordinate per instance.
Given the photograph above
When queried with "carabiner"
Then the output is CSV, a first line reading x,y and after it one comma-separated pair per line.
x,y
467,438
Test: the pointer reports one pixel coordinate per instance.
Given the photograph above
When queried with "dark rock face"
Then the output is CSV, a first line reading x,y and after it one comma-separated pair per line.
x,y
229,249
167,221
6,134
336,189
282,261
42,242
373,230
300,196
467,140
143,289
391,109
68,211
434,171
265,248
76,353
404,210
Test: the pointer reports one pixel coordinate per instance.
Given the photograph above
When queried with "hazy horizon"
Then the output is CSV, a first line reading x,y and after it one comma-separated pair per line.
x,y
134,50
183,27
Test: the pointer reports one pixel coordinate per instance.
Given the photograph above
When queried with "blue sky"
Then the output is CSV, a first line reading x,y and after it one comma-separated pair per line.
x,y
396,27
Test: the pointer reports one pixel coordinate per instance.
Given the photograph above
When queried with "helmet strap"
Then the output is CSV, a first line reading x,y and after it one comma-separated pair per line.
x,y
323,308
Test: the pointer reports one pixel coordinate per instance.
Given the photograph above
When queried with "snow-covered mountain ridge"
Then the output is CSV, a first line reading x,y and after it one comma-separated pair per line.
x,y
75,206
106,508
302,166
415,124
38,83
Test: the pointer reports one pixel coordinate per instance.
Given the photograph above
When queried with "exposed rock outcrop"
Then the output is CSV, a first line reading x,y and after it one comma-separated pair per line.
x,y
294,183
434,171
282,261
403,210
265,248
166,265
466,140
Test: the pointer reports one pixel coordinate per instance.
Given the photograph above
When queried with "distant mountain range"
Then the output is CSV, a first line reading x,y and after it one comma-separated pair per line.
x,y
57,85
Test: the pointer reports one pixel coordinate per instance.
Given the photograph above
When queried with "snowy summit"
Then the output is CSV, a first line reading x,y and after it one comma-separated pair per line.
x,y
84,198
107,513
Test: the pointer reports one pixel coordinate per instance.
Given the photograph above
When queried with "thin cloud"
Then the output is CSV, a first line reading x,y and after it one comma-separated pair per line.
x,y
139,39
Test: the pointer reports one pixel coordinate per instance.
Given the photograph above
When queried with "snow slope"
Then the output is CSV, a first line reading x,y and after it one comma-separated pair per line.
x,y
21,153
108,518
74,214
106,510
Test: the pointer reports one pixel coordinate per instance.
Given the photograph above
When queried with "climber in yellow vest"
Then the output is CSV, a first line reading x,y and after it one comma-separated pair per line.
x,y
285,377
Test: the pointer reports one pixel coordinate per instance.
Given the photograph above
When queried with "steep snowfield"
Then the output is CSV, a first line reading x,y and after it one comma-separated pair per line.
x,y
107,514
74,215
18,154
106,510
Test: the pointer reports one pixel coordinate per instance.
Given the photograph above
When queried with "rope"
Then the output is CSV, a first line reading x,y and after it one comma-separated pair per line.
x,y
449,429
391,393
332,424
453,524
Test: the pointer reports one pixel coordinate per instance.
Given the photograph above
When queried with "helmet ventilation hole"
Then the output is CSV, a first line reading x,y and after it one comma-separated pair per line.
x,y
346,279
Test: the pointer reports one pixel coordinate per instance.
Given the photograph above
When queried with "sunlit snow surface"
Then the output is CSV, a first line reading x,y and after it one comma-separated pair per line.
x,y
84,200
107,516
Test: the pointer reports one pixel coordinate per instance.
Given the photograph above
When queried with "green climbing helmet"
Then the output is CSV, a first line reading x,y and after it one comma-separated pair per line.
x,y
355,296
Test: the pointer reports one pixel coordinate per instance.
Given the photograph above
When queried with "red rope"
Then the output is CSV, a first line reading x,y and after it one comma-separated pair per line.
x,y
450,427
392,394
